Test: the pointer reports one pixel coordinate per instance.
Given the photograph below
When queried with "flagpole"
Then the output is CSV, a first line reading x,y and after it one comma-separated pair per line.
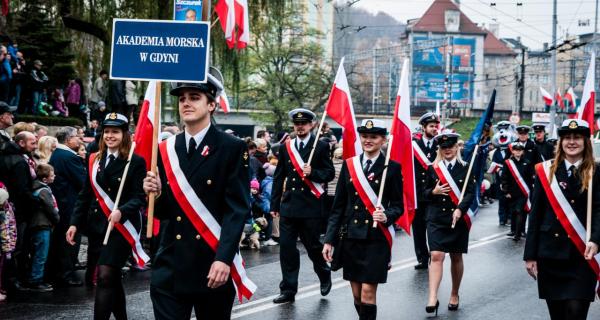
x,y
588,227
111,223
384,175
312,151
464,188
153,162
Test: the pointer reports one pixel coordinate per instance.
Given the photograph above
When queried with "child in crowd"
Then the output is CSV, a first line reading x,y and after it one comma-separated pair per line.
x,y
42,220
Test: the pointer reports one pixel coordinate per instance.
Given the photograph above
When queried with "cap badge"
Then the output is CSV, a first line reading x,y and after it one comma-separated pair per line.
x,y
369,124
444,138
299,115
112,116
573,124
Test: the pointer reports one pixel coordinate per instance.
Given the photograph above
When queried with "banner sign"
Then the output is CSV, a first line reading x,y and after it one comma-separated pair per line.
x,y
187,10
159,50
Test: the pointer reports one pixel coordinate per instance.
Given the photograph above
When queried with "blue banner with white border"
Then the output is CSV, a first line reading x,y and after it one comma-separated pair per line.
x,y
160,50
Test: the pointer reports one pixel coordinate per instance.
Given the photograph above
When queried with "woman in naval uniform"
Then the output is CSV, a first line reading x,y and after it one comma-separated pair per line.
x,y
564,275
364,251
89,218
447,223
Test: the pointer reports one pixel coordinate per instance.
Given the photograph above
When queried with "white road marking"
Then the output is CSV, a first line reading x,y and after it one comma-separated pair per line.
x,y
313,289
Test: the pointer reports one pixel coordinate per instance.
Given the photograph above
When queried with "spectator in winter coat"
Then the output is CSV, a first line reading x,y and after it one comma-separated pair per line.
x,y
38,84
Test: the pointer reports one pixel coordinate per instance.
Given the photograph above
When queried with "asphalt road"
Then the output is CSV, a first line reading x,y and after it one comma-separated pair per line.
x,y
495,286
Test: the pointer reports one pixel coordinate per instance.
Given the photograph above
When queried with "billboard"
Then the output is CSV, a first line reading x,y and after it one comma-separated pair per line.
x,y
187,10
429,69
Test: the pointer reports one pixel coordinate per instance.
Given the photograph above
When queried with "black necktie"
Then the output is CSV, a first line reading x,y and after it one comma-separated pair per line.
x,y
449,166
301,146
110,159
428,144
368,166
192,147
572,170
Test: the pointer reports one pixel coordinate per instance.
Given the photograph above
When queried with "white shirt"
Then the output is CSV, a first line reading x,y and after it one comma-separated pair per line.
x,y
198,137
108,154
453,163
426,141
365,158
305,141
576,164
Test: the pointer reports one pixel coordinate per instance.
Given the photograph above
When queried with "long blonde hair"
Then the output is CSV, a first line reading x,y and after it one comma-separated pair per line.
x,y
46,145
586,169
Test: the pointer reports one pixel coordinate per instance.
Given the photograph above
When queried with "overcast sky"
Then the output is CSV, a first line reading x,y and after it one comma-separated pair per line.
x,y
535,26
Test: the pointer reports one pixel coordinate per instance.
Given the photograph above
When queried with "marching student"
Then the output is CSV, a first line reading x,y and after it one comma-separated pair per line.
x,y
94,209
202,200
425,149
557,254
531,151
543,146
516,183
300,205
364,252
447,219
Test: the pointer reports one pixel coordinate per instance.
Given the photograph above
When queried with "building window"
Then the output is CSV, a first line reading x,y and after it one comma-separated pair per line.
x,y
478,93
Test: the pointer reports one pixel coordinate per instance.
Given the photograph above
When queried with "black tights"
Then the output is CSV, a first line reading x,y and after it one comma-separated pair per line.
x,y
110,296
568,309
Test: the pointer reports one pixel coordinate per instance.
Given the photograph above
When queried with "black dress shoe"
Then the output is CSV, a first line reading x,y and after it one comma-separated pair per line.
x,y
325,288
421,266
285,297
454,307
510,234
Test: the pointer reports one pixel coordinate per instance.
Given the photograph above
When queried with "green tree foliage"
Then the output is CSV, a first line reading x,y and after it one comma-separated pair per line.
x,y
287,67
40,38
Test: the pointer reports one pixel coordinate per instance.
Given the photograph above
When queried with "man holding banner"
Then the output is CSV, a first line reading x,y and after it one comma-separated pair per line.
x,y
425,151
203,209
299,203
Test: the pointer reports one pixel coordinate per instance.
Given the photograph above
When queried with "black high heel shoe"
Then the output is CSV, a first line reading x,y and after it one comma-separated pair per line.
x,y
431,309
454,307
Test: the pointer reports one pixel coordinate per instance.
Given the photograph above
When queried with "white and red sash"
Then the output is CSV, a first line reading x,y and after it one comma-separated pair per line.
x,y
202,220
494,167
126,229
565,214
455,193
367,194
512,167
298,163
420,155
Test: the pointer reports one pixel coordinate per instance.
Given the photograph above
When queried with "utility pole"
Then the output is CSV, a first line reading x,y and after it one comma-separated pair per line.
x,y
522,82
553,61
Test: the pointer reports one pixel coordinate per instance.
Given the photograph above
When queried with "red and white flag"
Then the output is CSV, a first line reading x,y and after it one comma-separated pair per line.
x,y
571,97
243,25
547,97
559,99
402,150
224,102
145,130
587,105
225,9
339,108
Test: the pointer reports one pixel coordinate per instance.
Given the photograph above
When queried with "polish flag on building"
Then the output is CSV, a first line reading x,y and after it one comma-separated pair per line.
x,y
547,97
559,99
339,108
587,105
571,97
225,9
402,150
224,102
145,130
